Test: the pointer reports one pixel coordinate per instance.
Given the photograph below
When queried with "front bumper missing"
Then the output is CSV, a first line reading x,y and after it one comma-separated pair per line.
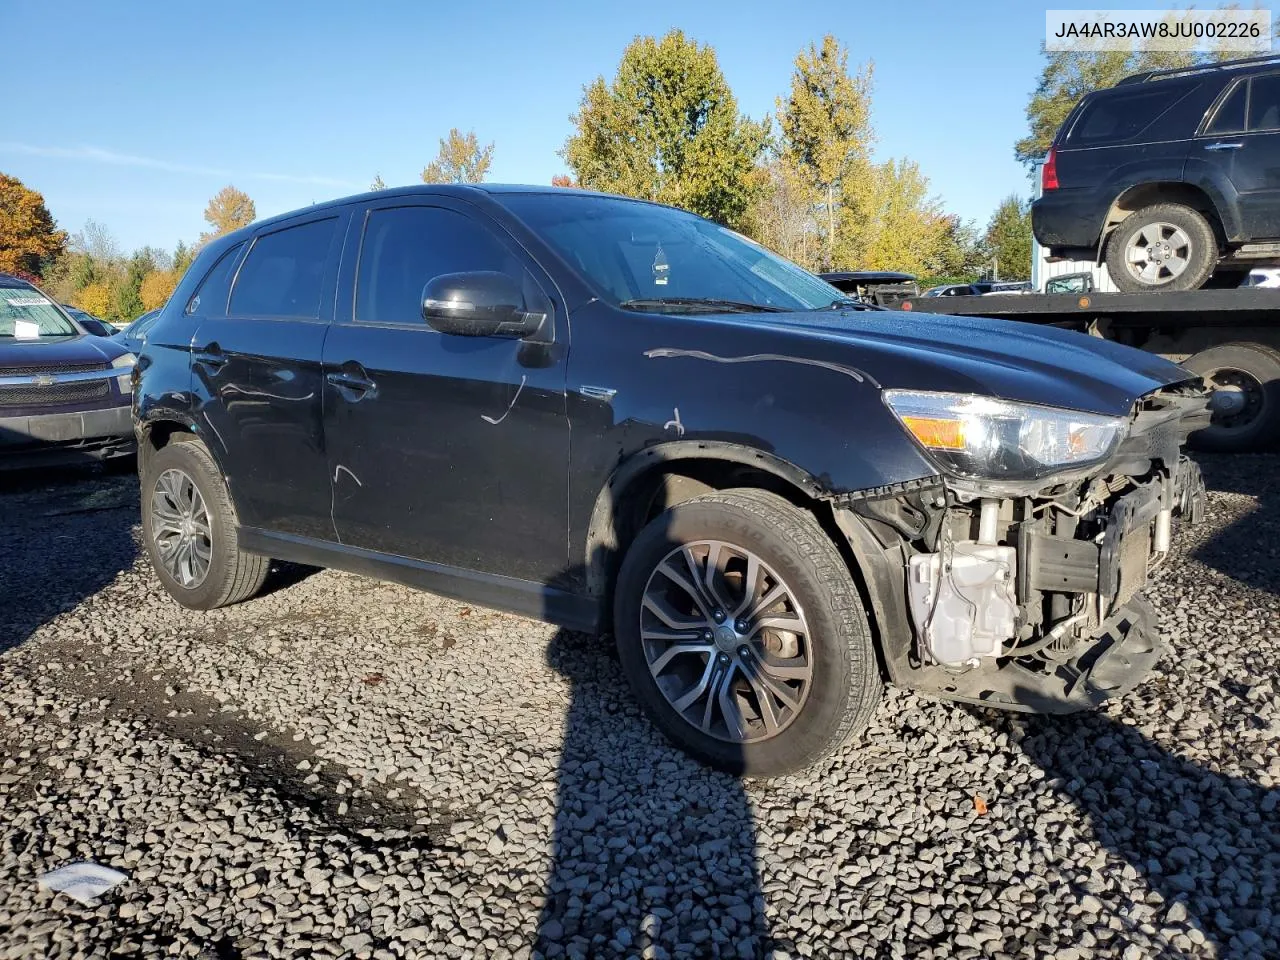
x,y
1085,634
1116,658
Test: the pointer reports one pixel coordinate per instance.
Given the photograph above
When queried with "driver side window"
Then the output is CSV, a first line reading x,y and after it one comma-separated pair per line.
x,y
406,247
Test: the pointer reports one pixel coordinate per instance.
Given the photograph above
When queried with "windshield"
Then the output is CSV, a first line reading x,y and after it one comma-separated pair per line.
x,y
27,314
639,254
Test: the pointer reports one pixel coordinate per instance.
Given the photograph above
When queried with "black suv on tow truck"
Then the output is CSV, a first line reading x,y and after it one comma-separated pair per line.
x,y
1168,175
616,415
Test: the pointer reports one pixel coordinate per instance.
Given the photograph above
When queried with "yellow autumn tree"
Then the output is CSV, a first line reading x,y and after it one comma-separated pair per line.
x,y
157,287
28,235
461,159
894,223
94,298
228,210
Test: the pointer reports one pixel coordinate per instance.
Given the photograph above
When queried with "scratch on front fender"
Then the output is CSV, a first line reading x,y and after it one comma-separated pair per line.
x,y
860,375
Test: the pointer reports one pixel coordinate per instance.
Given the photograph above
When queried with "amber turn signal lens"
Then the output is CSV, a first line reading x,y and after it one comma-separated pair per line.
x,y
935,433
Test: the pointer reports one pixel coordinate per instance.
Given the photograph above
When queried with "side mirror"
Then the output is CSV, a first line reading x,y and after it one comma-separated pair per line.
x,y
482,303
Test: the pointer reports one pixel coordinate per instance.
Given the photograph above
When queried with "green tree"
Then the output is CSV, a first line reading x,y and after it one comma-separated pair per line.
x,y
126,297
461,160
1068,76
958,257
182,257
1007,242
826,129
378,183
29,238
228,210
667,129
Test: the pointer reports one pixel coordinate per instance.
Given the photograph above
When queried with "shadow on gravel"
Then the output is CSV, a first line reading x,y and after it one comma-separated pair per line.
x,y
64,535
637,862
1208,843
1248,549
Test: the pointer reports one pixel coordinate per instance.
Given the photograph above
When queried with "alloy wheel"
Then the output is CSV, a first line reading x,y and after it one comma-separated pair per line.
x,y
180,528
1158,253
726,641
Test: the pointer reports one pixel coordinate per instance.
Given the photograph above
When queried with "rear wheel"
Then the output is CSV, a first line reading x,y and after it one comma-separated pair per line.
x,y
743,635
1163,247
1245,378
189,526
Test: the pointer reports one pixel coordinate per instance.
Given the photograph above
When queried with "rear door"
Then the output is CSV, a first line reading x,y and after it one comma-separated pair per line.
x,y
444,448
258,365
1241,143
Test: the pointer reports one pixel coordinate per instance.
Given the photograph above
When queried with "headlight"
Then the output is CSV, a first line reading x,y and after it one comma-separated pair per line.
x,y
988,439
125,362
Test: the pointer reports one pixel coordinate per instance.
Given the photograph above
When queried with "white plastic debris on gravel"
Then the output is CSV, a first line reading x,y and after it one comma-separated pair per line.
x,y
83,882
345,768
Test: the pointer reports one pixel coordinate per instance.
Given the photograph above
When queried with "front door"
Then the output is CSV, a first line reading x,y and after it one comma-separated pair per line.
x,y
444,448
1242,142
259,363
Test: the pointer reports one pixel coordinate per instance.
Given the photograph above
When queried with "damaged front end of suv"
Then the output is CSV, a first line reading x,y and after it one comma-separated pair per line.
x,y
1014,578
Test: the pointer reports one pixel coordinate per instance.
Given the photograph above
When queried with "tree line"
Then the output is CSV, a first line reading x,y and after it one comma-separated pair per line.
x,y
667,128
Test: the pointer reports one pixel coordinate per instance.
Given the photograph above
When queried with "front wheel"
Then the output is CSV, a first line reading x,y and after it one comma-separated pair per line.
x,y
1163,247
189,527
743,635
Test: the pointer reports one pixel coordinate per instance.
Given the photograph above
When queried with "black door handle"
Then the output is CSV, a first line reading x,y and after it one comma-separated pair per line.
x,y
350,381
210,356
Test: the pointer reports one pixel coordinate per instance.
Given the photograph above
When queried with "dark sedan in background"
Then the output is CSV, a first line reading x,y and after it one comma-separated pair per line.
x,y
64,393
89,323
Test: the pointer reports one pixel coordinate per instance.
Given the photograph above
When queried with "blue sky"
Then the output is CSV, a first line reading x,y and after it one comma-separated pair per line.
x,y
134,114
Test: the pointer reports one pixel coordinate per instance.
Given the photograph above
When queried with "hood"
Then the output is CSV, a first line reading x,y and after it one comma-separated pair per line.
x,y
57,351
999,358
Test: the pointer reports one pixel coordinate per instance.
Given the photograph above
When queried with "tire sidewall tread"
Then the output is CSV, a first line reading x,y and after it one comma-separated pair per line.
x,y
1198,230
1258,360
233,574
846,686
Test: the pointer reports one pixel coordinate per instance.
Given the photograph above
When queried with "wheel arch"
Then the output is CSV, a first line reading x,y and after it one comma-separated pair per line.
x,y
1134,198
666,474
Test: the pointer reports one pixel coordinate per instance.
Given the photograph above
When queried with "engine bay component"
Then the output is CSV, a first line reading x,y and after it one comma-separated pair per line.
x,y
962,601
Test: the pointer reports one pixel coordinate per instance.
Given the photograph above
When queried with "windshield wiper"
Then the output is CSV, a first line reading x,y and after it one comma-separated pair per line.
x,y
851,303
739,306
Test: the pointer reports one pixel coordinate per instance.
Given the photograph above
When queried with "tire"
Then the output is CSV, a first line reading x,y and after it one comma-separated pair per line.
x,y
230,574
831,706
1161,221
1248,376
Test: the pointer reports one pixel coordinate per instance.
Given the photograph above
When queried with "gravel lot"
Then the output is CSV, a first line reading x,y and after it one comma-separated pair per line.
x,y
347,768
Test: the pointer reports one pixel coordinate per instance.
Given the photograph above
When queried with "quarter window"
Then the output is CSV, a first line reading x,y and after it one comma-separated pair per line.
x,y
284,273
406,247
210,297
1117,117
1264,103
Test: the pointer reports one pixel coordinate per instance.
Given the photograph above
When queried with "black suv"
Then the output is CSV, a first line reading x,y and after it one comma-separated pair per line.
x,y
612,414
1167,175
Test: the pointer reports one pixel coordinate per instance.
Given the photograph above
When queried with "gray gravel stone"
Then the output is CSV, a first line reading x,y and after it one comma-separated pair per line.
x,y
342,767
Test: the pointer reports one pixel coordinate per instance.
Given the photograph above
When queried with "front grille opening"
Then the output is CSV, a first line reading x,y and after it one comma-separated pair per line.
x,y
33,395
53,368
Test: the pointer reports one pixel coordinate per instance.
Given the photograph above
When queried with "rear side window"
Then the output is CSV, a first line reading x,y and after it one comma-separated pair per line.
x,y
283,275
1119,117
405,247
211,295
1264,103
1230,116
